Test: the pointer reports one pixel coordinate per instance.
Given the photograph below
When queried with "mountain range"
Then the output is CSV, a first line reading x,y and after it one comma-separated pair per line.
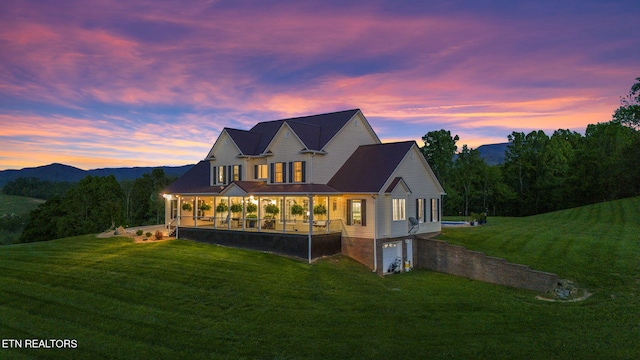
x,y
61,172
493,154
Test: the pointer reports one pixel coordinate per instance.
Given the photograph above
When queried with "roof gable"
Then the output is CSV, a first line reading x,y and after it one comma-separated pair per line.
x,y
369,167
314,131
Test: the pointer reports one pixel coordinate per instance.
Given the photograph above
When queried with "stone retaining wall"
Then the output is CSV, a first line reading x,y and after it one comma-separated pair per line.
x,y
443,257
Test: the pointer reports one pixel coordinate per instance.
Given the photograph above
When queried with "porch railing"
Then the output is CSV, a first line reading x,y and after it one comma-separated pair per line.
x,y
261,224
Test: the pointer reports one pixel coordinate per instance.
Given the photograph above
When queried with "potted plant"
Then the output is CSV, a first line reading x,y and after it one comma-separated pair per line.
x,y
204,207
251,217
222,207
272,211
319,209
296,209
251,220
236,208
187,207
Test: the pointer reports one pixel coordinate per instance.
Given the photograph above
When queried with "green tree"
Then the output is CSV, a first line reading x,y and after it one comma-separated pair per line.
x,y
439,149
629,111
602,168
469,170
147,200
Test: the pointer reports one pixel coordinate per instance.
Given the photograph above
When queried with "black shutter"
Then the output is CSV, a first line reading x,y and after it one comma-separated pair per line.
x,y
215,175
284,172
364,212
349,211
255,172
438,211
424,212
304,171
290,172
229,174
418,209
239,172
273,173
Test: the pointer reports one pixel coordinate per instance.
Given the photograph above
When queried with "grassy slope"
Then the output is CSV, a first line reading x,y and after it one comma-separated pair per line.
x,y
19,205
184,299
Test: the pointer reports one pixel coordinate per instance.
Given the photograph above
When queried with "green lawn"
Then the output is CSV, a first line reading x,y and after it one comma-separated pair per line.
x,y
14,211
180,299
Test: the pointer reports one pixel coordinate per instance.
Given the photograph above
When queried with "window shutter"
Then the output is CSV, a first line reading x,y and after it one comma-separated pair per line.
x,y
424,212
273,172
255,172
290,172
229,174
438,210
364,212
349,212
284,172
304,171
418,209
239,172
215,175
431,208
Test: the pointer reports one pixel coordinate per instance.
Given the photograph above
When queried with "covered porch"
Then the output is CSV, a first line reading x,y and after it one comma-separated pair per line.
x,y
283,213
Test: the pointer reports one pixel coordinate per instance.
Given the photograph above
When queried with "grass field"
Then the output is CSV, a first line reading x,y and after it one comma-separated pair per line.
x,y
17,205
180,299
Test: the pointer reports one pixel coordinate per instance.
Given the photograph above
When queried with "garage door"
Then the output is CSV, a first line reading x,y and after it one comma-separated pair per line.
x,y
392,257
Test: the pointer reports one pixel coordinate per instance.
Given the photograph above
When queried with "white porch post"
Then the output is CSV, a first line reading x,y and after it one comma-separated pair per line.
x,y
195,211
310,224
244,207
259,214
228,212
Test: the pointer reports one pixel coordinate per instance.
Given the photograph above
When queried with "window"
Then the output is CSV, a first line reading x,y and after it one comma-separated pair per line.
x,y
235,171
420,213
278,173
435,210
298,171
398,209
221,174
357,212
260,172
174,209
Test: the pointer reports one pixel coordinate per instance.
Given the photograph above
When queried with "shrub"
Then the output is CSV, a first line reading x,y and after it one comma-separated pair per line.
x,y
139,232
148,234
159,235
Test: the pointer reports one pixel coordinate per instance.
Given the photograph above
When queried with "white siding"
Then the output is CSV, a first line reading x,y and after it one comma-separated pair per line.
x,y
286,147
355,133
415,173
359,231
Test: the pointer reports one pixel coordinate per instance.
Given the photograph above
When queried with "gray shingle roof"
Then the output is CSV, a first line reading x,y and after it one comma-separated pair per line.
x,y
369,167
194,181
314,131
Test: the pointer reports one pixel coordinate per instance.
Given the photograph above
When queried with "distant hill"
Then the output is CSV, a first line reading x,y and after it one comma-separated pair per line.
x,y
493,154
61,172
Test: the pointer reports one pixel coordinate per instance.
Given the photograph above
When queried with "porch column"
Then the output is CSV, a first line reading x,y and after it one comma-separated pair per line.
x,y
284,215
310,224
244,211
228,212
328,217
259,214
195,212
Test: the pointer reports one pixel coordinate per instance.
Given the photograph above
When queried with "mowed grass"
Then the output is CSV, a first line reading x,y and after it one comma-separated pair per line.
x,y
181,299
19,205
11,205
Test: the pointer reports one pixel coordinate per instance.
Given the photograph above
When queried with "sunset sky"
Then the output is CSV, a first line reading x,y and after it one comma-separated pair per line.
x,y
113,83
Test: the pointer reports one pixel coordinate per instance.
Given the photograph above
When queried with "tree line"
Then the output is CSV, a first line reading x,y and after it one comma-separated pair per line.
x,y
93,205
542,173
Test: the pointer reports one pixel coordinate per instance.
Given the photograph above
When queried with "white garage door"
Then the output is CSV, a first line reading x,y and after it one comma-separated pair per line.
x,y
391,252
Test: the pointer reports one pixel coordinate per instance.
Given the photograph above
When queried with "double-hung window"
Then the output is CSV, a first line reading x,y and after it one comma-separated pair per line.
x,y
435,210
357,212
398,209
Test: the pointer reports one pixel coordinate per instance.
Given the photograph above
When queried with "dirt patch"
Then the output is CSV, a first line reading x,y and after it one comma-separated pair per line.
x,y
132,233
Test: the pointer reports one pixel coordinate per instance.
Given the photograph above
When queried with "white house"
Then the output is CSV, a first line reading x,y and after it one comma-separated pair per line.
x,y
310,186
